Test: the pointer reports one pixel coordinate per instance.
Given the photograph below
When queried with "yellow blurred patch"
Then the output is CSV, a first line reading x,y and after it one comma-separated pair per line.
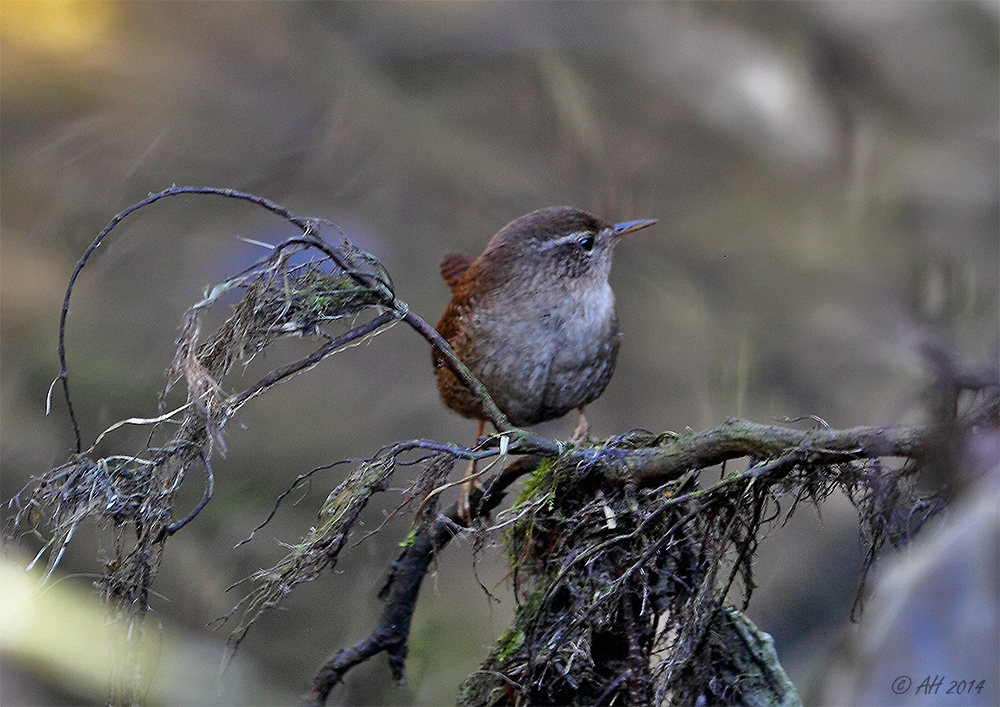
x,y
62,631
56,26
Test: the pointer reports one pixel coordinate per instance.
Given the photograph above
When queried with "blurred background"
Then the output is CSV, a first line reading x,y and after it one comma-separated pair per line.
x,y
826,179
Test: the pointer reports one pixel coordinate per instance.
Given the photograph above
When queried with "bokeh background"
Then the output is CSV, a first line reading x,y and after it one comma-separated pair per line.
x,y
826,179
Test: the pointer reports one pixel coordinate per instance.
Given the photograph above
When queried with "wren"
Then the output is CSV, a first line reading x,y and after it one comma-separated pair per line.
x,y
534,317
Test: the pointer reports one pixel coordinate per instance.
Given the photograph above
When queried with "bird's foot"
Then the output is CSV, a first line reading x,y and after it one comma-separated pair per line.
x,y
581,433
465,491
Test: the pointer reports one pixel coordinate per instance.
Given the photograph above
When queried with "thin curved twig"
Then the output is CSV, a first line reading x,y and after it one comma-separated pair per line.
x,y
209,490
95,244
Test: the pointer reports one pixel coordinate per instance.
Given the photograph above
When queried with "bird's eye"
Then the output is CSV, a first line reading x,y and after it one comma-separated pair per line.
x,y
586,242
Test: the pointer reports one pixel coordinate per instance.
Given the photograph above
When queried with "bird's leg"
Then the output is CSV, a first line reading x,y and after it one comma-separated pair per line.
x,y
581,433
470,483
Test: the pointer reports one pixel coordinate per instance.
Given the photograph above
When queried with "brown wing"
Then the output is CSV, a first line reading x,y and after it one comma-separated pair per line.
x,y
453,267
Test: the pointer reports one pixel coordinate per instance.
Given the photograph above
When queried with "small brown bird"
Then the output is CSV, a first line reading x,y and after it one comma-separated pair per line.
x,y
534,318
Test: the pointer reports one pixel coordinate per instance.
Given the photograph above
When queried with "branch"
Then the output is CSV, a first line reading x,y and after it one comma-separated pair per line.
x,y
735,439
309,238
121,216
746,667
641,460
402,588
311,360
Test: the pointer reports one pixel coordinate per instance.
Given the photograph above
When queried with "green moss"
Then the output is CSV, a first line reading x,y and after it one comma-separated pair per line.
x,y
538,479
539,491
410,538
513,638
510,641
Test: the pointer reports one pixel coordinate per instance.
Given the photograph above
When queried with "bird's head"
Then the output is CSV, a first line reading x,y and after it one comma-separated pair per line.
x,y
561,242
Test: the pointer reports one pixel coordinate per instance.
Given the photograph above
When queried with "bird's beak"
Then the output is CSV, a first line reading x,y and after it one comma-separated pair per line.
x,y
621,229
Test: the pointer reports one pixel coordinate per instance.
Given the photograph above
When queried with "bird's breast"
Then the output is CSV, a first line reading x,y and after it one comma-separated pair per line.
x,y
580,321
539,357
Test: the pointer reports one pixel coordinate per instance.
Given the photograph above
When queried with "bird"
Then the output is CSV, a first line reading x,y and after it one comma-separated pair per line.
x,y
534,319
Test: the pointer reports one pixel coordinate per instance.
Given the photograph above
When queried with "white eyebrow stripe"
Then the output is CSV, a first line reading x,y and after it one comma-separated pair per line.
x,y
571,238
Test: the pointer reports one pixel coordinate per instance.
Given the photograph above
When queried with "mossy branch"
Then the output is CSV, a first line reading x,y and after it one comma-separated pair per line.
x,y
640,499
